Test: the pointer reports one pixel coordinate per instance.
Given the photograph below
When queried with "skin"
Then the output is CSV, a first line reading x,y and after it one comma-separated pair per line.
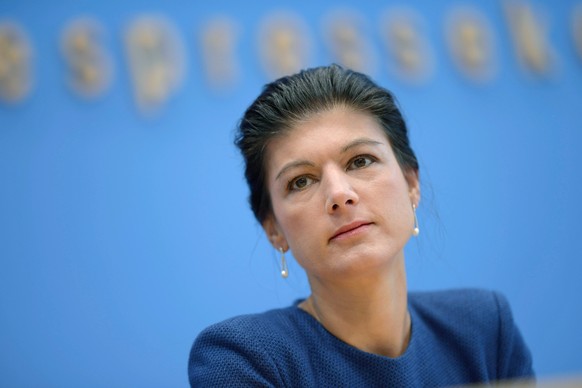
x,y
343,205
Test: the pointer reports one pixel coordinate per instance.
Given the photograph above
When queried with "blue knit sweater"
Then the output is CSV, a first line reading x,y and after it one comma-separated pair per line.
x,y
458,337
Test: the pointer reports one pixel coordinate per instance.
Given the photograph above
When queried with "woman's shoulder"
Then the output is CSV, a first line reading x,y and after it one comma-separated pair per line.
x,y
257,322
465,300
245,348
249,329
463,310
475,323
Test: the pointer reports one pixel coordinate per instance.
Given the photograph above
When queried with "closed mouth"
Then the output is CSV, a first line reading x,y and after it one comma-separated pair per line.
x,y
349,228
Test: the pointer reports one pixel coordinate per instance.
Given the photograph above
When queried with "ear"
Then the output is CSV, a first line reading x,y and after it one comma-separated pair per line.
x,y
413,186
274,233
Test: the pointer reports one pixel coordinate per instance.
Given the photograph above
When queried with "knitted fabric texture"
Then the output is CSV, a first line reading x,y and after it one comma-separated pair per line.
x,y
458,337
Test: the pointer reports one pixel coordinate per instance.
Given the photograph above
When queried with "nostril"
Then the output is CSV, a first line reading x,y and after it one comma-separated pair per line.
x,y
350,202
335,206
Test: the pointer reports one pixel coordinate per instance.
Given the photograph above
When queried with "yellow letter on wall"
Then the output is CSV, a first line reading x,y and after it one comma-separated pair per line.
x,y
529,36
89,67
156,61
283,44
15,63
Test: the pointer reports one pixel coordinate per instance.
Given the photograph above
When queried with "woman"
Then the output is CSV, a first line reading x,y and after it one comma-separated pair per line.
x,y
333,179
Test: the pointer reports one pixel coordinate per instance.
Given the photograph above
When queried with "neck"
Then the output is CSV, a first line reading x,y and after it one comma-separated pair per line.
x,y
369,313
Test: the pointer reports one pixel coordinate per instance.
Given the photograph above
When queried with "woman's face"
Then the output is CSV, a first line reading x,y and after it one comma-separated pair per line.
x,y
340,200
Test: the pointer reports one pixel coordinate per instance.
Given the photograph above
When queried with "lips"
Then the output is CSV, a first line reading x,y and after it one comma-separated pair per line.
x,y
349,229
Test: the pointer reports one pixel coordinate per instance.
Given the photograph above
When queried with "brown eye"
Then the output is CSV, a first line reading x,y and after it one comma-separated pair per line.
x,y
361,162
300,183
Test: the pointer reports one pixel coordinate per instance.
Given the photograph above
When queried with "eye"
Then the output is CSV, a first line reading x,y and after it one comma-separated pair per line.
x,y
299,183
361,161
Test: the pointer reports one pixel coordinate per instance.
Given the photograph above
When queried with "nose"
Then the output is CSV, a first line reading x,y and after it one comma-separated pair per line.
x,y
339,192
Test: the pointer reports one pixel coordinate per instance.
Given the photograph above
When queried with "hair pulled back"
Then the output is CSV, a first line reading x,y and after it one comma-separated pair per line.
x,y
292,99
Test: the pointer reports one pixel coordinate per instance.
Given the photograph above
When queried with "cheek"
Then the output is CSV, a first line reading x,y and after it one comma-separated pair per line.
x,y
389,187
296,222
301,226
393,201
289,217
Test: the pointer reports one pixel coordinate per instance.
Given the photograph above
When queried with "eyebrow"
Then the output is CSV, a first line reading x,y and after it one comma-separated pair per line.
x,y
358,142
306,163
295,164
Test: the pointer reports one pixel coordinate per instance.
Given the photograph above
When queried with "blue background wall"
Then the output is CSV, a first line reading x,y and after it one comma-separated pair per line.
x,y
122,235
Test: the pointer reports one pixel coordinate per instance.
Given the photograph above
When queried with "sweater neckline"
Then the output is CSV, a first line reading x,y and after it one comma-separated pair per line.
x,y
312,321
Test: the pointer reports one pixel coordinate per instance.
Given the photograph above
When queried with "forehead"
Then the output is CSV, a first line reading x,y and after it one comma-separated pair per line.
x,y
323,132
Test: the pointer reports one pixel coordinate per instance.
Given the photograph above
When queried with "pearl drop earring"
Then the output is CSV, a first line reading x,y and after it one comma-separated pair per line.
x,y
416,230
284,270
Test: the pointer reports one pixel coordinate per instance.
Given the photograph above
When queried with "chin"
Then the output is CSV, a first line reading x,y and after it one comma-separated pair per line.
x,y
371,262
